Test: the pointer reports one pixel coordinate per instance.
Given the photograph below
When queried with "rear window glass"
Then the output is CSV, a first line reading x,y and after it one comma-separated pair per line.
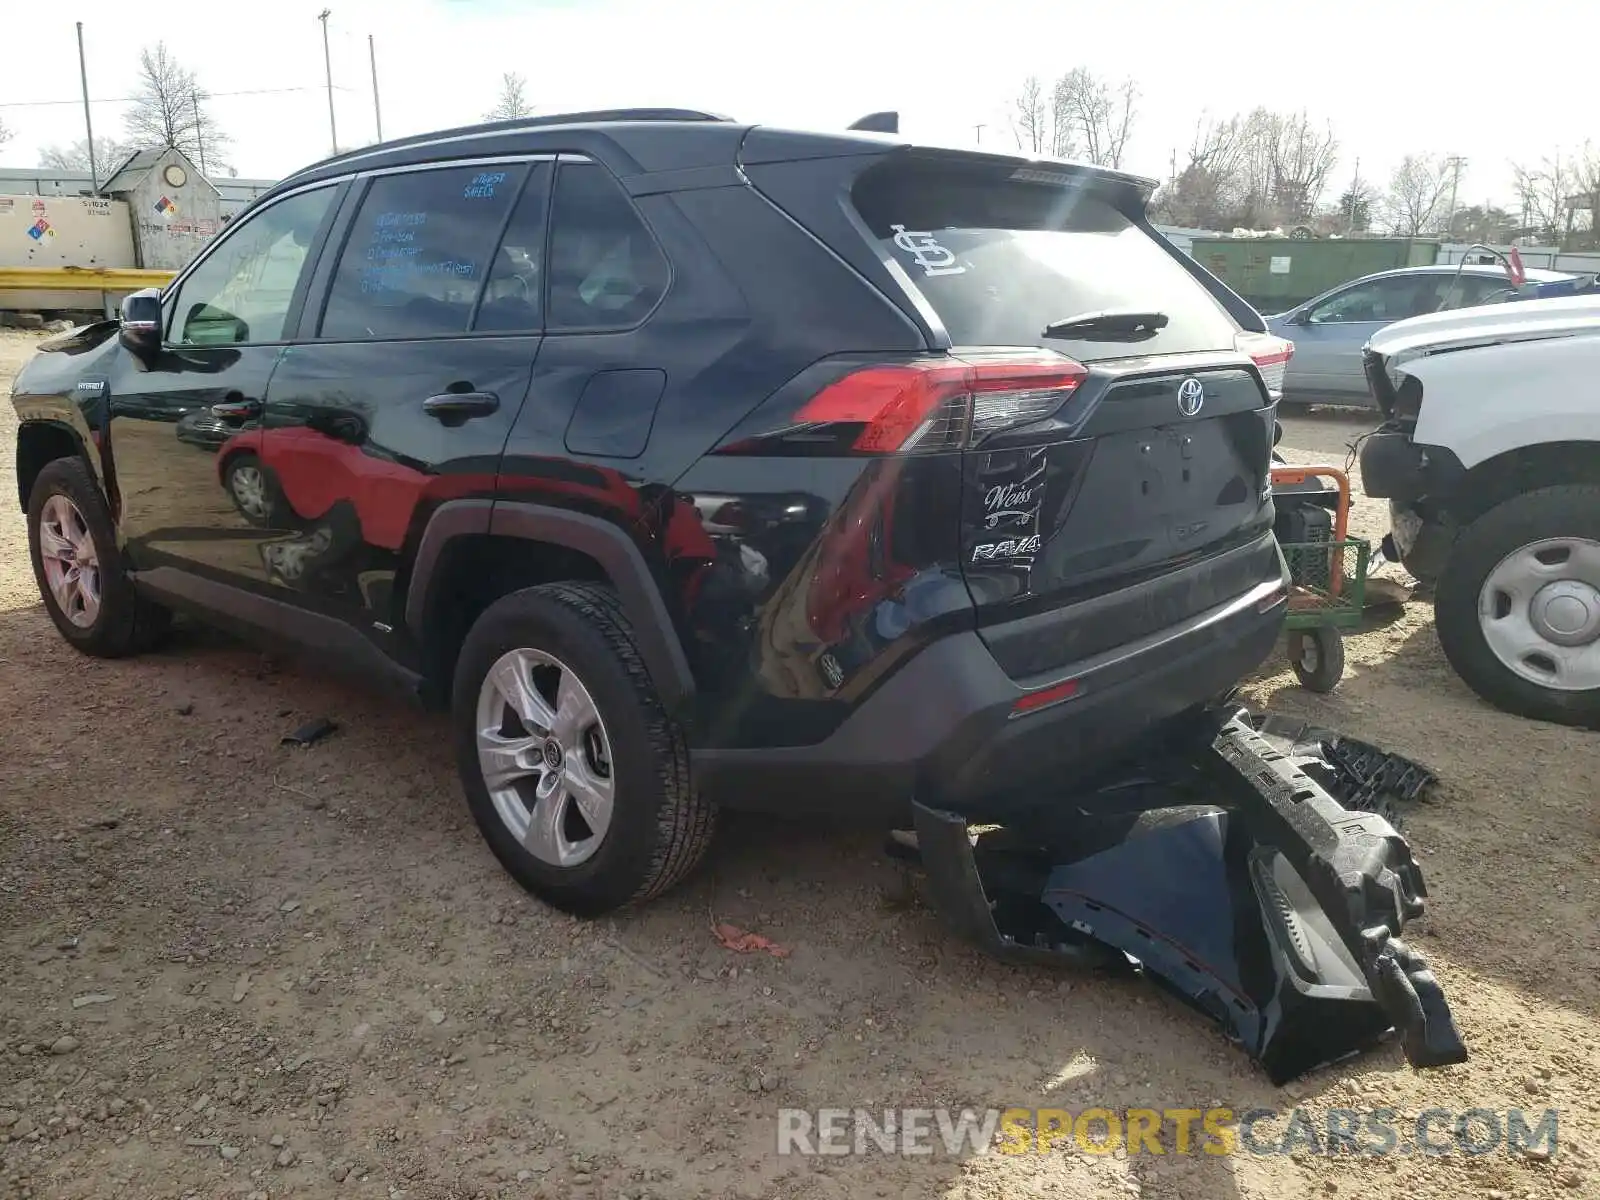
x,y
999,260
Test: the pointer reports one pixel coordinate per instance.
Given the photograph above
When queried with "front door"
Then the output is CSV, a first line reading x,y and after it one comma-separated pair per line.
x,y
1327,347
401,391
185,422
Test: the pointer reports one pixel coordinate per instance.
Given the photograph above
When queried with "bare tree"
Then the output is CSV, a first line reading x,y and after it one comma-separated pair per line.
x,y
1586,172
1203,194
5,134
1094,115
511,103
1302,157
1542,191
1255,169
1416,201
170,109
1031,121
74,156
1556,190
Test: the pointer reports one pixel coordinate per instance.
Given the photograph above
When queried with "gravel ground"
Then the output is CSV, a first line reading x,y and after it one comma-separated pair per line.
x,y
240,969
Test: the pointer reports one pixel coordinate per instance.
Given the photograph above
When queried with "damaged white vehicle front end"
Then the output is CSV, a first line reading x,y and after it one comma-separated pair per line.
x,y
1489,457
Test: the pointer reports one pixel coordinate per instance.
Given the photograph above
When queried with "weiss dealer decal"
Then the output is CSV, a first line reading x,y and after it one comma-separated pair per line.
x,y
1012,506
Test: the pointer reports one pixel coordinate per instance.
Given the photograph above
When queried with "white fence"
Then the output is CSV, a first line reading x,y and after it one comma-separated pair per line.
x,y
1547,257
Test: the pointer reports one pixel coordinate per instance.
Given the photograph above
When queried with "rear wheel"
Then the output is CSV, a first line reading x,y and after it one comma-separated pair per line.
x,y
79,567
1518,605
573,771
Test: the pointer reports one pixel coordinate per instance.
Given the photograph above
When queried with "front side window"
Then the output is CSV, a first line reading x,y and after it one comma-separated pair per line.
x,y
418,253
1385,300
243,289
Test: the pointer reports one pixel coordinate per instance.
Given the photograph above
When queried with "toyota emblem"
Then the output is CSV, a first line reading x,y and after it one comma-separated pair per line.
x,y
1191,397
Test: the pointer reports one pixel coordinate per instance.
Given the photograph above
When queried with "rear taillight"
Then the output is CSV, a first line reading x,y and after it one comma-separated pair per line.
x,y
942,404
1271,356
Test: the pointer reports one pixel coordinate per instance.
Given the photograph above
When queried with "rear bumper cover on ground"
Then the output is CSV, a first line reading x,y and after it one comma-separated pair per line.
x,y
1225,871
945,727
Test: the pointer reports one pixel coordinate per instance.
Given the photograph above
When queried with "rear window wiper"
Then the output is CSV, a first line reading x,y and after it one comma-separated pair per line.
x,y
1109,325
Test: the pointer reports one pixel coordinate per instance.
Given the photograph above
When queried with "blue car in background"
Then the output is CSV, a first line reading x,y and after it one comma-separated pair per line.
x,y
1329,331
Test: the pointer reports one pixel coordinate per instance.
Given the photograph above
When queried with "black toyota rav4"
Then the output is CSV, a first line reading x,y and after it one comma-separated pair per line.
x,y
691,464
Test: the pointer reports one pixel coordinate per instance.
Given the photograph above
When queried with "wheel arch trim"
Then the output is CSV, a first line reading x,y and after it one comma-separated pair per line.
x,y
608,545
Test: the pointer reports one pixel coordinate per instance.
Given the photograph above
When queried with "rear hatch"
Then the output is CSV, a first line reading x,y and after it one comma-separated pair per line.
x,y
1127,451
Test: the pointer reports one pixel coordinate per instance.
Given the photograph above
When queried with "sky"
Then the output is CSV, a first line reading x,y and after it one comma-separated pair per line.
x,y
1479,78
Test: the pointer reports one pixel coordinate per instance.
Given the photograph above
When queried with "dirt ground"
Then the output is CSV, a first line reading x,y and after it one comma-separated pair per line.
x,y
239,969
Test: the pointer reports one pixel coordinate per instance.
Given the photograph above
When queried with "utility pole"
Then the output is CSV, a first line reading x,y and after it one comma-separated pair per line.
x,y
377,112
88,125
1355,201
199,132
978,130
327,63
1455,162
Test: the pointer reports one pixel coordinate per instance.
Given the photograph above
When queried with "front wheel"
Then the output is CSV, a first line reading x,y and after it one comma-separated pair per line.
x,y
79,567
1518,605
574,773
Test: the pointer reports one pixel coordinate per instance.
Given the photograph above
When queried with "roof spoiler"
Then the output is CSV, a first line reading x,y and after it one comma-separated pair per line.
x,y
878,122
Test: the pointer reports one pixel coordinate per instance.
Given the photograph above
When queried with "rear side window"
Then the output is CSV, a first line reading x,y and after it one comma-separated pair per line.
x,y
418,253
998,260
606,271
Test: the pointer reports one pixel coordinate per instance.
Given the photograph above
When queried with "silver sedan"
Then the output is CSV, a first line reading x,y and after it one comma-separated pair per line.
x,y
1328,331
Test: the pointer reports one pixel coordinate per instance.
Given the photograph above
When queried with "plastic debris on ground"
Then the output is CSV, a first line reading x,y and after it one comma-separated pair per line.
x,y
1247,863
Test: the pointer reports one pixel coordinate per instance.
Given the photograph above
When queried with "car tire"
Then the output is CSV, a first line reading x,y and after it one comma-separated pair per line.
x,y
609,818
1501,571
80,569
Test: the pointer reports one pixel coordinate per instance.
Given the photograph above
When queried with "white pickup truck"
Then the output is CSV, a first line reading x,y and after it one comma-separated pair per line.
x,y
1489,456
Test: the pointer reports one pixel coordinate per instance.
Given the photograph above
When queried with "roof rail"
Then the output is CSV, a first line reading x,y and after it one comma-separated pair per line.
x,y
611,114
596,116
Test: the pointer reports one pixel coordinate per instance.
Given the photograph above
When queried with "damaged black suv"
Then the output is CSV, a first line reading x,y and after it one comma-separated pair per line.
x,y
691,464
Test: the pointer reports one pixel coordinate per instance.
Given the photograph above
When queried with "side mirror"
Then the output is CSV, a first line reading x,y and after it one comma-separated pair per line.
x,y
141,321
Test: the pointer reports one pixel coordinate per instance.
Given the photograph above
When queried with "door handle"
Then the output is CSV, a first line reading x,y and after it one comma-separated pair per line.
x,y
455,407
236,410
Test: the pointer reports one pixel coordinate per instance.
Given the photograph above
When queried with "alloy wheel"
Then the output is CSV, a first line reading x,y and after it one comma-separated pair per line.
x,y
545,757
71,562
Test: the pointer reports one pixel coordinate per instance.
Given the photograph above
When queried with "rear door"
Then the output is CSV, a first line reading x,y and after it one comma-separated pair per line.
x,y
1158,456
406,380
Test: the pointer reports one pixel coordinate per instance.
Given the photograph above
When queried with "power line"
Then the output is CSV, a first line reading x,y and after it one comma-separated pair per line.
x,y
131,99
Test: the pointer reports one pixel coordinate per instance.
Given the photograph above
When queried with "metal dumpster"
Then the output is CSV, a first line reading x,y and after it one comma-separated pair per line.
x,y
1275,274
